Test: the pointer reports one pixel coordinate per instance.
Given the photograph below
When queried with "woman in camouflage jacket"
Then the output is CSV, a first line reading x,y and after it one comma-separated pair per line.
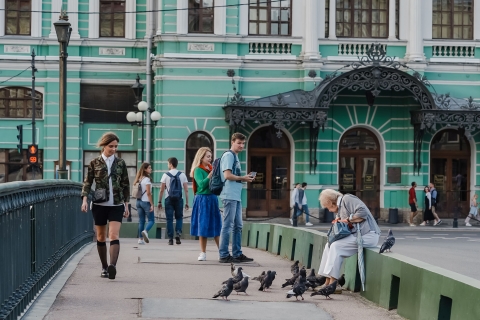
x,y
109,173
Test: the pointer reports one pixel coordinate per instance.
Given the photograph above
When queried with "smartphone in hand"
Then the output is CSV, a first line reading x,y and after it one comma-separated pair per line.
x,y
253,174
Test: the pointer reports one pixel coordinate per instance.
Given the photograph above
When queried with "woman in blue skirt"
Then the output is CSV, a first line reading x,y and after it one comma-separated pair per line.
x,y
206,219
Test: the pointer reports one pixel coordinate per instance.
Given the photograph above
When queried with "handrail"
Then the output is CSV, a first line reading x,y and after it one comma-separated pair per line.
x,y
41,226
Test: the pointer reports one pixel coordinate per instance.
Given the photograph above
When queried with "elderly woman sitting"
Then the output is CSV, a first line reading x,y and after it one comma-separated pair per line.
x,y
349,209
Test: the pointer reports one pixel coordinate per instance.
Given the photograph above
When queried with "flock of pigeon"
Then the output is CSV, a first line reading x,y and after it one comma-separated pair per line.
x,y
299,281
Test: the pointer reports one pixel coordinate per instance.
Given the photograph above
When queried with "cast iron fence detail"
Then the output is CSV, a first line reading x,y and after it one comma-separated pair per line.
x,y
453,51
41,226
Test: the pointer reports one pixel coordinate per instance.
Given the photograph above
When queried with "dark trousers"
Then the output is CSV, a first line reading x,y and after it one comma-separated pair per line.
x,y
174,207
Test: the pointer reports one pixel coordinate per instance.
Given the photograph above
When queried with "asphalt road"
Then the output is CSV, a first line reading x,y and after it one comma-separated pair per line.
x,y
455,251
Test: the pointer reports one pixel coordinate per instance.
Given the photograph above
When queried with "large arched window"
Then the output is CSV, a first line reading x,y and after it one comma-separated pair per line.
x,y
16,102
195,141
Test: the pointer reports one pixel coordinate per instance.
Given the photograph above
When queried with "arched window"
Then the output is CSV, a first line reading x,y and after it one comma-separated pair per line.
x,y
195,141
16,102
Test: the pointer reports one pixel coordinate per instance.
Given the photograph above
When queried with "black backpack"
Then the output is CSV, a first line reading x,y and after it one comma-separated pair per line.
x,y
434,200
216,184
175,190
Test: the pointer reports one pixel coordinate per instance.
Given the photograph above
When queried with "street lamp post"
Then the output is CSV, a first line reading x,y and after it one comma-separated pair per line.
x,y
137,118
63,30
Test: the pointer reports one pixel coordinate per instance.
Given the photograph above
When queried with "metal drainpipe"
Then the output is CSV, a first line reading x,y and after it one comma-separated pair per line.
x,y
149,98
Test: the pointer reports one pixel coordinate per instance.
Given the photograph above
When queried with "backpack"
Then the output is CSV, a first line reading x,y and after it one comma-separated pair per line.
x,y
216,184
137,190
175,190
434,197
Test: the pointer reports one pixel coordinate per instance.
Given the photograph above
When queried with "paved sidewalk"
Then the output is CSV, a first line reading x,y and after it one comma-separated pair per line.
x,y
158,281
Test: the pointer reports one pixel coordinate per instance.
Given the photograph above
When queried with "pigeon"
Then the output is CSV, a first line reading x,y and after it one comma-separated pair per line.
x,y
294,268
291,281
267,281
241,286
225,291
260,277
341,280
312,280
298,289
234,270
326,291
237,278
388,243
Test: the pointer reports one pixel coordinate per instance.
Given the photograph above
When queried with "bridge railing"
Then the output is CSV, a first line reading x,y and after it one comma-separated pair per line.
x,y
41,226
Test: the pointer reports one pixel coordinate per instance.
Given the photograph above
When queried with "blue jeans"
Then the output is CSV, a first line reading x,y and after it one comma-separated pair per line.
x,y
143,209
171,208
300,211
232,223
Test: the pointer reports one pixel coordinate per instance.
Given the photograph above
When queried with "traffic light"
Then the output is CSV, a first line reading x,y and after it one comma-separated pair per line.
x,y
20,138
32,153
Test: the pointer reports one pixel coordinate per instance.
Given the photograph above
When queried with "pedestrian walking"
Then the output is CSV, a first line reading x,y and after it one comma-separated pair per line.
x,y
232,202
110,198
206,219
473,210
145,202
350,210
173,181
412,201
294,200
302,205
434,203
427,207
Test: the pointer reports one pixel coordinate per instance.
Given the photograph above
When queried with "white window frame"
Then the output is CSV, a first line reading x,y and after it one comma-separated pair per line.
x,y
130,19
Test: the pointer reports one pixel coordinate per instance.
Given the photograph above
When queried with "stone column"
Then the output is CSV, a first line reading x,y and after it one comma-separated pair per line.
x,y
415,35
159,16
220,18
243,18
56,7
321,19
476,20
391,20
182,17
332,25
310,51
94,19
72,10
130,19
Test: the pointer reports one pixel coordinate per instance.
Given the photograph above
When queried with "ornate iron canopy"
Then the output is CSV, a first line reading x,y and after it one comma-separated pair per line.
x,y
373,73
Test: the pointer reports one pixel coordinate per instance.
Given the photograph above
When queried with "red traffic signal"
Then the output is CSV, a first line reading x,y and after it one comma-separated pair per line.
x,y
32,154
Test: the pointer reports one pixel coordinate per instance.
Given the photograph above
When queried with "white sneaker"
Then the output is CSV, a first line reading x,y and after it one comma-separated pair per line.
x,y
140,241
145,236
468,224
412,225
202,256
291,221
439,222
309,224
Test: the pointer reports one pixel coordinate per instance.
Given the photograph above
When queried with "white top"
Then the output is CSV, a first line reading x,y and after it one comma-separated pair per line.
x,y
293,197
143,183
166,180
109,162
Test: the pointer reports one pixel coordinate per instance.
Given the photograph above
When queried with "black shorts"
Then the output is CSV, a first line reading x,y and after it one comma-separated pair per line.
x,y
413,207
102,214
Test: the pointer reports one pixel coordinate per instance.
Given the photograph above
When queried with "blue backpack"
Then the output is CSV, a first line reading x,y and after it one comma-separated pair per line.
x,y
175,190
216,184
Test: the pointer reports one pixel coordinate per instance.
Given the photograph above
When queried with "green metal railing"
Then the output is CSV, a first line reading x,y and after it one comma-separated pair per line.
x,y
41,226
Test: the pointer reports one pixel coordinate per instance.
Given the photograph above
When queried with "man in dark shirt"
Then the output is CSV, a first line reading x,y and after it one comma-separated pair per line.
x,y
412,201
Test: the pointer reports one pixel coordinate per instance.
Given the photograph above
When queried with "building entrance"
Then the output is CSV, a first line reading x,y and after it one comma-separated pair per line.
x,y
450,172
269,157
359,167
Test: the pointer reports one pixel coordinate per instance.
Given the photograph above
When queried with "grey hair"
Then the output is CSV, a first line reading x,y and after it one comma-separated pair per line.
x,y
329,196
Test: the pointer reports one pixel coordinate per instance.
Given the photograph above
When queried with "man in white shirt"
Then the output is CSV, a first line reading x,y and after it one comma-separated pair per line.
x,y
173,202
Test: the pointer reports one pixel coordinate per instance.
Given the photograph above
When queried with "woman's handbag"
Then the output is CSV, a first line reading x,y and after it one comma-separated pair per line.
x,y
338,230
101,195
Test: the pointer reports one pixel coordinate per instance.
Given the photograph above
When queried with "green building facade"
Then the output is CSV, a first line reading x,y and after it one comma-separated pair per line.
x,y
369,144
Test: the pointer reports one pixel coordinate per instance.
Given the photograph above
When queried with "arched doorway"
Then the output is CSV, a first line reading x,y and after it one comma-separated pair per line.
x,y
359,167
269,156
450,171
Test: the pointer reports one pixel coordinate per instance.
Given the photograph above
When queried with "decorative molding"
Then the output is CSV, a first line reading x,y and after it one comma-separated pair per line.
x,y
111,51
200,46
16,49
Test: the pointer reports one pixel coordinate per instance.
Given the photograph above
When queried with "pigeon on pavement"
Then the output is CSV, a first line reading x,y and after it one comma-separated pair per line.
x,y
225,291
341,280
266,282
388,243
260,277
291,281
241,286
326,291
294,268
234,270
298,289
237,278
